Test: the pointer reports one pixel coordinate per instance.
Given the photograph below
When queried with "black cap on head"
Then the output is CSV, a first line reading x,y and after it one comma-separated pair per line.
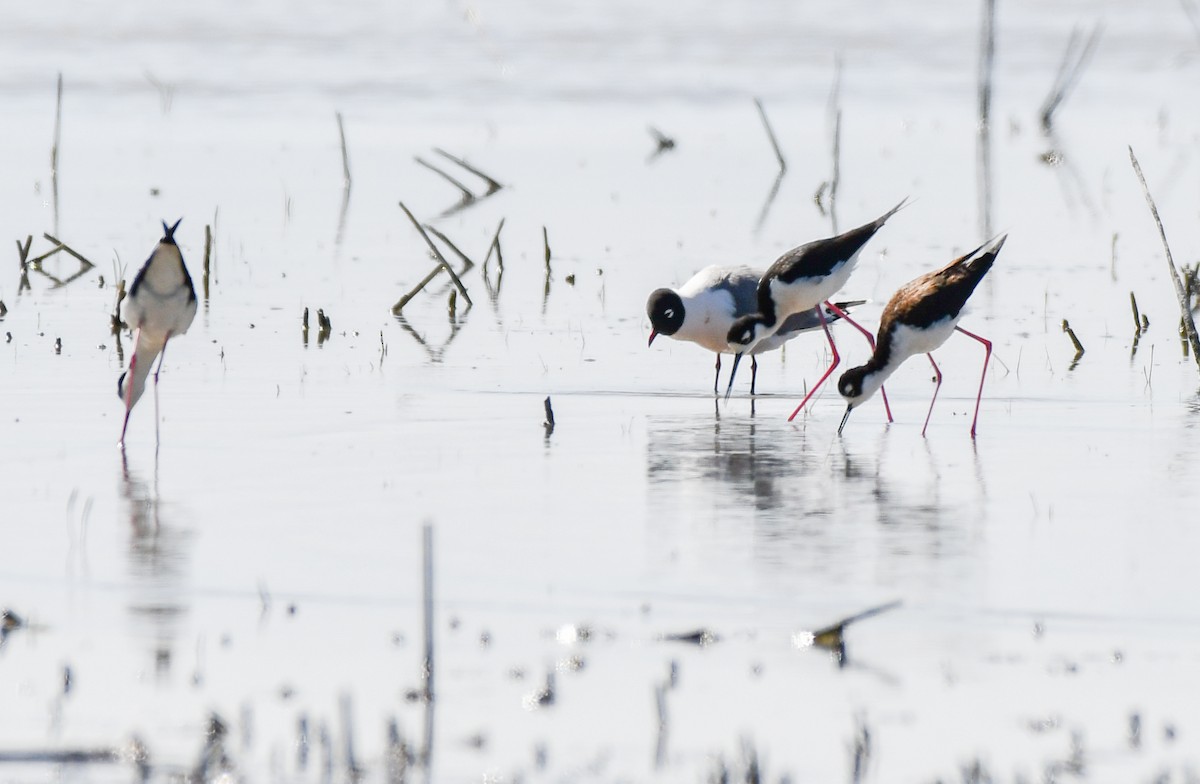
x,y
169,232
742,331
665,309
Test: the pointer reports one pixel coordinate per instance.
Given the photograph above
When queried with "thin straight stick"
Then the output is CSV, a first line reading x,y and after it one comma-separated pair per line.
x,y
1185,310
208,258
546,247
427,668
427,607
771,135
54,147
438,254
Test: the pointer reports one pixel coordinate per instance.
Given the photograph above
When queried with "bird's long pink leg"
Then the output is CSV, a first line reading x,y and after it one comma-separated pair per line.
x,y
887,408
161,355
937,374
987,346
836,359
129,385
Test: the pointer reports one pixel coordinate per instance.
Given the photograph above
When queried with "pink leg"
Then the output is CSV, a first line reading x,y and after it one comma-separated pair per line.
x,y
129,385
836,360
987,346
871,341
937,374
162,355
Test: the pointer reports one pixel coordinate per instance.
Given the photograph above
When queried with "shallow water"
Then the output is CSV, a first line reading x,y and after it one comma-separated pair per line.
x,y
264,561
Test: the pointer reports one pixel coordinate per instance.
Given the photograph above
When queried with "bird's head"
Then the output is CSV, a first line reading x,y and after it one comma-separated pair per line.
x,y
745,332
665,309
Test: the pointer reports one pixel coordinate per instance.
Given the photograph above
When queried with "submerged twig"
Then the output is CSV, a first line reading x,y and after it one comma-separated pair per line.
x,y
345,154
835,114
987,56
771,135
771,194
1069,72
1188,324
1193,15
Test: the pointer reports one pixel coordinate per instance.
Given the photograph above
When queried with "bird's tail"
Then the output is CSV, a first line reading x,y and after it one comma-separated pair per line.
x,y
980,260
882,219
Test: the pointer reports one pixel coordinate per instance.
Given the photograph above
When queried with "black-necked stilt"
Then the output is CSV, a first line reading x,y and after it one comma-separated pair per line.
x,y
703,309
160,304
920,317
799,280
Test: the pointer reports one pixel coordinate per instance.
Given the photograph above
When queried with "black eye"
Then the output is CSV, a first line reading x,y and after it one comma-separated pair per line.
x,y
669,313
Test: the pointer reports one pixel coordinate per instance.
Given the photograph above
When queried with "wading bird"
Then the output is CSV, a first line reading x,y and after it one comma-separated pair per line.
x,y
920,317
703,309
800,280
160,305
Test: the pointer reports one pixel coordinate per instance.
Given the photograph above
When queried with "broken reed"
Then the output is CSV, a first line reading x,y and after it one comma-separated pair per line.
x,y
443,264
1187,323
208,260
1066,327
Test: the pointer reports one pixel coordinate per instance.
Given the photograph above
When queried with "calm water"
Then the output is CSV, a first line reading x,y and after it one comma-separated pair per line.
x,y
264,563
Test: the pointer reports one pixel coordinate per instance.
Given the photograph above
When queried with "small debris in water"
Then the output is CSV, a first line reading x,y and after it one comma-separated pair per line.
x,y
572,633
1135,730
9,621
543,697
549,423
58,345
700,637
662,142
571,664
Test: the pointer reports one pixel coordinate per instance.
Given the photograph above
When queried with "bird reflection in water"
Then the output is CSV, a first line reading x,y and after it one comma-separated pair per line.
x,y
810,502
157,559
